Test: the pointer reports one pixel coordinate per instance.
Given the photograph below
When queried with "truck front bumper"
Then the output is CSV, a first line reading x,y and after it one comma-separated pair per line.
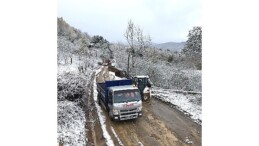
x,y
122,117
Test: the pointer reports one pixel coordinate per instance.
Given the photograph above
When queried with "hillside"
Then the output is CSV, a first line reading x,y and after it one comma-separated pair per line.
x,y
71,33
172,46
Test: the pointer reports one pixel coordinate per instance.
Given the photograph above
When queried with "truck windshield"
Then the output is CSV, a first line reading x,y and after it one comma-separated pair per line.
x,y
126,96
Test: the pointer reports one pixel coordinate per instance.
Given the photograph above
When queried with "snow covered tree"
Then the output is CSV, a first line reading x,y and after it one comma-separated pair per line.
x,y
193,46
99,40
65,49
137,42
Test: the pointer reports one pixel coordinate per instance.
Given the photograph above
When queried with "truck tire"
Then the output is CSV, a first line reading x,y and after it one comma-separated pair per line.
x,y
110,115
98,99
146,97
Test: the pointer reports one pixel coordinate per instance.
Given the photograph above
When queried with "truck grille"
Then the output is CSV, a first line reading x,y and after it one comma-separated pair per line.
x,y
129,111
128,114
127,117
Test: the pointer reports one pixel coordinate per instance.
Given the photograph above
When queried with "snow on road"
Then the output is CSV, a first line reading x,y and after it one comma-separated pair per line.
x,y
101,116
118,139
187,140
140,144
189,103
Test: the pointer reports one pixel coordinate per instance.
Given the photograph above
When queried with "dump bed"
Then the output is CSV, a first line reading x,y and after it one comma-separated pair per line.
x,y
103,88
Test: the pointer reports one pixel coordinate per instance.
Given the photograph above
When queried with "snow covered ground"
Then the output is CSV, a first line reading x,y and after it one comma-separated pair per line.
x,y
187,103
71,116
71,124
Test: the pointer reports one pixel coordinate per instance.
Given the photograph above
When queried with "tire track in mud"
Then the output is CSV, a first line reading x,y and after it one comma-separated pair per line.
x,y
147,130
184,128
94,132
153,130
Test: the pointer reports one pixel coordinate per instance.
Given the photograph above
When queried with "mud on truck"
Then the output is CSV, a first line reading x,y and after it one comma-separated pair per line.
x,y
120,98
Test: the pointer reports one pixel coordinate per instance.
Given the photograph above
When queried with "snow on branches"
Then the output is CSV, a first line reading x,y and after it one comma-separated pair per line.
x,y
71,124
70,86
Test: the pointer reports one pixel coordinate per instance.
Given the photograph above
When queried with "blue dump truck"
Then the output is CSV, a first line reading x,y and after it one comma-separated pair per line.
x,y
120,98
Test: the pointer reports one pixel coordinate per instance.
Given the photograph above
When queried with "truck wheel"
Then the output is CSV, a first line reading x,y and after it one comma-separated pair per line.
x,y
98,99
146,97
110,115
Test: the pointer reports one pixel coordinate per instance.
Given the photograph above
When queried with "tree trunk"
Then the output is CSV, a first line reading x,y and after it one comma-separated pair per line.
x,y
128,63
133,61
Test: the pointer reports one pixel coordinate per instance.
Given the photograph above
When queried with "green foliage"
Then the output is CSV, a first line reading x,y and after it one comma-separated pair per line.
x,y
98,39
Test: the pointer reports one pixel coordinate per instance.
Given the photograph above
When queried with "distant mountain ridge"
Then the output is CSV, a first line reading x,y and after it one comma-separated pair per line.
x,y
172,46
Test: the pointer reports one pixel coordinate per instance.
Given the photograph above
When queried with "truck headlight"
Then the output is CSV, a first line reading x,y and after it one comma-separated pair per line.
x,y
115,111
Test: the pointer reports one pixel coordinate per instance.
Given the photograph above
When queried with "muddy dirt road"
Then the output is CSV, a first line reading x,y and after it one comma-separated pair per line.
x,y
160,125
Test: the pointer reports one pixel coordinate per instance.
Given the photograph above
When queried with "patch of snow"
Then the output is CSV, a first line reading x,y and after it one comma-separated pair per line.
x,y
114,77
102,118
187,140
140,144
71,124
189,103
67,68
98,70
113,131
142,76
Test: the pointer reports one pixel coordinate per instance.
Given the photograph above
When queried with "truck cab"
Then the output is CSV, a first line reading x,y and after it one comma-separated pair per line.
x,y
126,102
120,99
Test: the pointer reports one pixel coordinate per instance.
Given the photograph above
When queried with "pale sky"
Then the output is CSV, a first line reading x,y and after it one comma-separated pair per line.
x,y
163,20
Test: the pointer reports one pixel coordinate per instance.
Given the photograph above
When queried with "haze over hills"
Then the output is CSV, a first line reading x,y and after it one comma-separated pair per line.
x,y
172,46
